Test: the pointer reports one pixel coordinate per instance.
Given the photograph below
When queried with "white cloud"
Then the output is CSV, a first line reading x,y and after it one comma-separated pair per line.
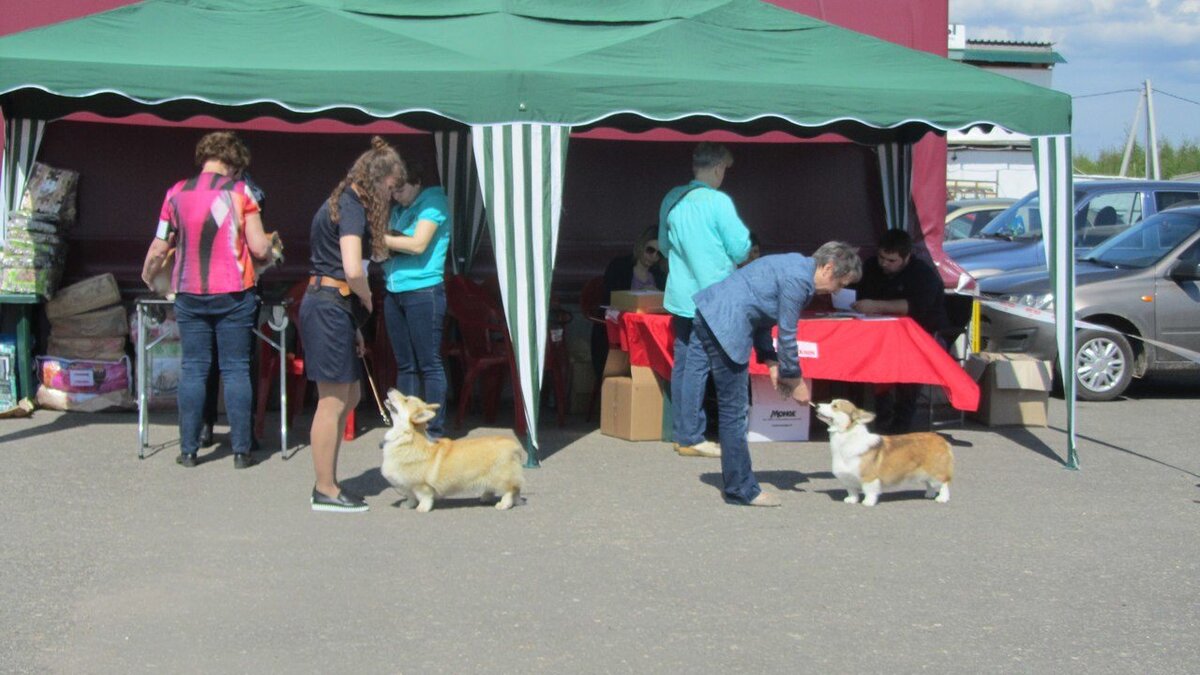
x,y
1109,45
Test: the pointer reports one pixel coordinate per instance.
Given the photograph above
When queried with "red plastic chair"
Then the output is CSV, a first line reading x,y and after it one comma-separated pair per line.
x,y
485,349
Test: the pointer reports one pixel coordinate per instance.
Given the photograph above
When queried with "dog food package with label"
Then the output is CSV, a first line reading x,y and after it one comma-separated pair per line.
x,y
160,324
50,194
82,376
8,372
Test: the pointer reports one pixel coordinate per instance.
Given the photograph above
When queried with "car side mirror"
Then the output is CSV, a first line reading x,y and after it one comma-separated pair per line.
x,y
1184,270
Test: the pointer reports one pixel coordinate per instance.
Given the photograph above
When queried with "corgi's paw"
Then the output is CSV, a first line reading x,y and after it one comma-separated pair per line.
x,y
851,498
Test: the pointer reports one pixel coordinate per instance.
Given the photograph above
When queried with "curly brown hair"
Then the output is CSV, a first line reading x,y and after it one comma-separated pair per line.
x,y
224,146
369,174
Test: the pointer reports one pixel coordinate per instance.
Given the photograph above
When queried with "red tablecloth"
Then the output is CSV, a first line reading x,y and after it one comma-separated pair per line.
x,y
850,350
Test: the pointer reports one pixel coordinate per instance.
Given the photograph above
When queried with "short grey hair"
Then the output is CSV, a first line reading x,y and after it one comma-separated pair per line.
x,y
707,155
846,263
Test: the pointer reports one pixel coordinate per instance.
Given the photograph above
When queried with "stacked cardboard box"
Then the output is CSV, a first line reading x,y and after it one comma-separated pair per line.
x,y
646,302
35,240
1014,389
86,368
631,400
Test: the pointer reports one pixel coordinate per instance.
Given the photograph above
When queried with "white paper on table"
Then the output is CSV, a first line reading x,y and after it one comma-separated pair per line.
x,y
844,298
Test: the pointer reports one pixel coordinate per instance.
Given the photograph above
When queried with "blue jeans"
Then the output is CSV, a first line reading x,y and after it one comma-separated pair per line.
x,y
689,375
224,321
732,381
414,325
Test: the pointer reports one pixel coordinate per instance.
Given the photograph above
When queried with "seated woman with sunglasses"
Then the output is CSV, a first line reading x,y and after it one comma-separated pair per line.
x,y
644,270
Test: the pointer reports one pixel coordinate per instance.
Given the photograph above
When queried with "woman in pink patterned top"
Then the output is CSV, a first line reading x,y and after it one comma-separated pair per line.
x,y
213,223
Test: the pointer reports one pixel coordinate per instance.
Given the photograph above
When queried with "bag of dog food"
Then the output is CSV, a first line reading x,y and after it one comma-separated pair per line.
x,y
96,349
30,281
50,194
54,399
107,322
82,376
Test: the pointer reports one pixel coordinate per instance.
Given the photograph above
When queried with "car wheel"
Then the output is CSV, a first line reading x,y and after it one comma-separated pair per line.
x,y
1103,365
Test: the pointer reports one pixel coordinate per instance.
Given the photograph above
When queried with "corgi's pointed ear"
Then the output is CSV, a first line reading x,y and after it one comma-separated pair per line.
x,y
864,416
433,406
423,416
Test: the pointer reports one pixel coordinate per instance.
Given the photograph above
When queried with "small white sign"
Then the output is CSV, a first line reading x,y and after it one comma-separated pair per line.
x,y
806,350
956,36
81,378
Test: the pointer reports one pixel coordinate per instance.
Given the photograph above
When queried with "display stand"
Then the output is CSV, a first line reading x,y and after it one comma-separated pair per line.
x,y
277,321
24,303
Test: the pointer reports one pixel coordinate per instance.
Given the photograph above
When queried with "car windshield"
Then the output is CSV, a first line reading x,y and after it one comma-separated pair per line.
x,y
1022,220
1144,244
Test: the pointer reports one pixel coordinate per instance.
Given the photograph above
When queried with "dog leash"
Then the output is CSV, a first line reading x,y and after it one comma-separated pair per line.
x,y
387,420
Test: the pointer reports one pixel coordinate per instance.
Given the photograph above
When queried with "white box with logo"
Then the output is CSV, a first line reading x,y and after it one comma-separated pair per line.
x,y
772,416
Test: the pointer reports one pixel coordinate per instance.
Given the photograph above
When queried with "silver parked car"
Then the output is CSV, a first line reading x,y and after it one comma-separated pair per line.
x,y
1013,239
1144,282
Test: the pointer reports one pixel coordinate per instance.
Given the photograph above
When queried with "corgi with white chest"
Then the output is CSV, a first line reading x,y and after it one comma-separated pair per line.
x,y
422,469
866,462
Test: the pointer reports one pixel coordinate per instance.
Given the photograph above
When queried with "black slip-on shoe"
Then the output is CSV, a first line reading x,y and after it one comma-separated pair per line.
x,y
187,461
343,503
243,460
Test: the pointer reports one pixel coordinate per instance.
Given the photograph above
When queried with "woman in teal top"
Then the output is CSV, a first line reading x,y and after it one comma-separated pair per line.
x,y
415,306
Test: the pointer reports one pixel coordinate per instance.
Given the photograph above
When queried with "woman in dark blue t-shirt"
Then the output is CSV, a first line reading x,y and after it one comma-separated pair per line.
x,y
337,302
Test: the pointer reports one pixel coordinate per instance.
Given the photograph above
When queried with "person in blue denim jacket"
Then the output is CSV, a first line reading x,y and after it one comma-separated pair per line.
x,y
738,313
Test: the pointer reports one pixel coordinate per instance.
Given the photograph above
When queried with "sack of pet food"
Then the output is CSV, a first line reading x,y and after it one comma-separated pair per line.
x,y
50,194
54,399
80,376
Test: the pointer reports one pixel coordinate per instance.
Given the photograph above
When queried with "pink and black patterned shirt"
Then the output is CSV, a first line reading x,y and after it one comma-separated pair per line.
x,y
207,216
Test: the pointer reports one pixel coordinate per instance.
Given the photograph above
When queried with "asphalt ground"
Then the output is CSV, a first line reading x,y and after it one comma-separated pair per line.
x,y
623,558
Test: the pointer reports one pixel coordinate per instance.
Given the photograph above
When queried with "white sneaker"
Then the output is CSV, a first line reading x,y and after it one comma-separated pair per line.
x,y
701,449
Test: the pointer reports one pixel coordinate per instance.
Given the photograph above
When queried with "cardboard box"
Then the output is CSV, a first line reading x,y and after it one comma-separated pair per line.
x,y
1014,389
631,406
646,302
772,417
94,293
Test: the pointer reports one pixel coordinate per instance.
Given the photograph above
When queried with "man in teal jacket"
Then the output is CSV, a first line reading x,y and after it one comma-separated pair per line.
x,y
704,240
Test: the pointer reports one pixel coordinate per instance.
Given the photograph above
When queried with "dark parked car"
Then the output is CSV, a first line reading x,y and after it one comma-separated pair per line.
x,y
966,217
1143,282
1013,240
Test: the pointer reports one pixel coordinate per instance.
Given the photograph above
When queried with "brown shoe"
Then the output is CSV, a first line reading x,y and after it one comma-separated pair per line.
x,y
701,449
765,498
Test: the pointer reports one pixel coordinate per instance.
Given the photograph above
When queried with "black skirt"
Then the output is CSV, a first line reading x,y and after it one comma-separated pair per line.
x,y
327,332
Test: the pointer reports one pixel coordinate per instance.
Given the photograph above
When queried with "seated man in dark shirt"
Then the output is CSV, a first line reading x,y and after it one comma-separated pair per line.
x,y
895,282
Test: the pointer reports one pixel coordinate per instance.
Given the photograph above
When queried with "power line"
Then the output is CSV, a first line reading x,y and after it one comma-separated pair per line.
x,y
1107,93
1164,93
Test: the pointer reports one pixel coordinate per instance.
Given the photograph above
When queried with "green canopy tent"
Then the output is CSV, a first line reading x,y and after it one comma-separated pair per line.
x,y
518,76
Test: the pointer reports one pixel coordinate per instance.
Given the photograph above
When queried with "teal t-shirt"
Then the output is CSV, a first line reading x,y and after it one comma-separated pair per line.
x,y
405,272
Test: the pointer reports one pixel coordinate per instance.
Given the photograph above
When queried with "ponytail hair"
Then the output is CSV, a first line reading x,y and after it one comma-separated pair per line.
x,y
369,174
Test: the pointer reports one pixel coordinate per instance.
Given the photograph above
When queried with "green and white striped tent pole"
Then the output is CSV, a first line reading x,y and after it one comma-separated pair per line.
x,y
521,174
895,170
456,166
22,137
1052,157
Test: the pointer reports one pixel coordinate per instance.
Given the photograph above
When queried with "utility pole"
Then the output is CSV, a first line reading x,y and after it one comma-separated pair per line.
x,y
1151,139
1137,112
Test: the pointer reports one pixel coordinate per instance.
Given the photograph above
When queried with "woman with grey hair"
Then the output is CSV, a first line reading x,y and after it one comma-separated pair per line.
x,y
738,313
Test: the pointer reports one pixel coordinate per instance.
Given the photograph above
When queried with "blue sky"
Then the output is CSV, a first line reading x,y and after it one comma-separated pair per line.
x,y
1109,45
